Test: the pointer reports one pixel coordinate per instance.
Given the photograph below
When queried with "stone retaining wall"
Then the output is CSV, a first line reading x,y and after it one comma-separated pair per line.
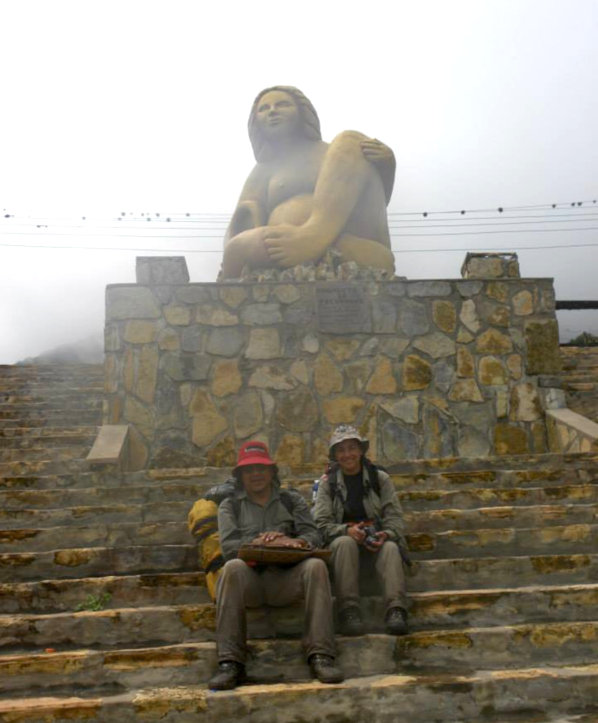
x,y
438,368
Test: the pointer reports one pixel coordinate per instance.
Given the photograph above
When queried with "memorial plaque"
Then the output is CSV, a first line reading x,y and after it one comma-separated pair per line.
x,y
342,308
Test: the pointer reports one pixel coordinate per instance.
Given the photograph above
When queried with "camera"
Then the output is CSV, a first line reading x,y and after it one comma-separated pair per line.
x,y
370,535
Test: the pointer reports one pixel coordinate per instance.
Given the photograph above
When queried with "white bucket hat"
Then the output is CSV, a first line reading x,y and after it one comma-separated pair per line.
x,y
343,432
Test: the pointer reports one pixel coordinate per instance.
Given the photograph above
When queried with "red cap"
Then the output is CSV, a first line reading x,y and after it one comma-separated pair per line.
x,y
253,452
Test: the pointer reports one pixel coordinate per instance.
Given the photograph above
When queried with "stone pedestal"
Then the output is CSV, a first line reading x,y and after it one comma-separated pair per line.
x,y
425,368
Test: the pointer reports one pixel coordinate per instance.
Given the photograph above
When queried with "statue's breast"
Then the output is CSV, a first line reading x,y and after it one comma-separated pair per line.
x,y
295,176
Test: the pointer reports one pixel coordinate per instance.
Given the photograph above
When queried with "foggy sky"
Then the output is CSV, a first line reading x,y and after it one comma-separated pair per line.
x,y
141,107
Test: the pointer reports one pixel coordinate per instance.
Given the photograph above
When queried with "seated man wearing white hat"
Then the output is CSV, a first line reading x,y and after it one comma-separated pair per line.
x,y
261,513
361,520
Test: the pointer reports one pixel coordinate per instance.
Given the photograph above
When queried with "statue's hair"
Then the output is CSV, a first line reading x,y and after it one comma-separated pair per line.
x,y
310,123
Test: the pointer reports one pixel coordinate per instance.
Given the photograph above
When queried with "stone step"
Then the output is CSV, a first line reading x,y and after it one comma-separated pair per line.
x,y
169,624
547,695
65,453
21,468
43,433
281,659
481,542
29,520
432,574
51,419
114,591
26,444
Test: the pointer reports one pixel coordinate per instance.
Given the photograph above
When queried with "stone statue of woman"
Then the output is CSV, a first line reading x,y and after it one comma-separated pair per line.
x,y
304,196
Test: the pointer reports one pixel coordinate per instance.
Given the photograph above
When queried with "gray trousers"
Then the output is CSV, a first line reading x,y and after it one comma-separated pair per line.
x,y
350,560
241,587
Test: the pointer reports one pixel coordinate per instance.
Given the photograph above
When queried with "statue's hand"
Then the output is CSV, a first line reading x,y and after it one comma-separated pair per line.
x,y
376,152
289,245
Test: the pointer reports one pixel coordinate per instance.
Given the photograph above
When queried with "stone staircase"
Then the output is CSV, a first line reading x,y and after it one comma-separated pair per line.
x,y
580,379
104,616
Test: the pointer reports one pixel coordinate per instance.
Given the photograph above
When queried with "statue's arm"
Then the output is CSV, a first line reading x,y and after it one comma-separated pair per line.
x,y
250,211
382,157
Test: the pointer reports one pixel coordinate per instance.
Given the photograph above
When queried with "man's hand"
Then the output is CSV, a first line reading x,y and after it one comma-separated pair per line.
x,y
357,532
279,539
381,538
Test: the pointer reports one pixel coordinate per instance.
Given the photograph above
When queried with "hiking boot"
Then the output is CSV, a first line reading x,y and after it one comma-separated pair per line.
x,y
324,669
230,674
350,621
396,621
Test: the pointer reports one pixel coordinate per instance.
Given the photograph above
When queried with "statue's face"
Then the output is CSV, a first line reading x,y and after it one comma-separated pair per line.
x,y
277,114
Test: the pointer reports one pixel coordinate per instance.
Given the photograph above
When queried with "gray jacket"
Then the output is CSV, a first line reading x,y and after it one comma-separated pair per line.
x,y
252,519
328,512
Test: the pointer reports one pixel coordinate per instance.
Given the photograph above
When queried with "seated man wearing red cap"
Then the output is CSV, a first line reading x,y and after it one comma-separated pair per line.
x,y
361,520
256,513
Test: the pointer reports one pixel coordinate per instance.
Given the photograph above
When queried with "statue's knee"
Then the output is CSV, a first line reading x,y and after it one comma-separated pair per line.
x,y
352,138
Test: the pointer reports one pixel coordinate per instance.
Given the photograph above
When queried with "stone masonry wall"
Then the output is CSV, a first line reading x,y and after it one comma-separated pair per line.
x,y
440,368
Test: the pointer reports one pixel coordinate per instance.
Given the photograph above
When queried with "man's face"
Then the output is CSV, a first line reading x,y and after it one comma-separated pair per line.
x,y
348,455
257,478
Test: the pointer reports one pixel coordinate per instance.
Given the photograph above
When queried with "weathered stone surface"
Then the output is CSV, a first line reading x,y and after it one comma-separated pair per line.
x,y
248,415
138,450
472,443
192,338
465,363
233,296
166,270
435,345
417,373
290,451
168,340
525,403
138,414
131,302
226,378
429,288
192,294
261,314
147,373
469,288
263,344
498,290
515,366
222,454
342,409
393,347
463,336
260,293
469,316
287,293
297,411
358,373
300,371
112,340
384,316
413,318
327,378
406,409
185,367
509,439
492,372
399,443
140,332
396,288
129,366
177,315
382,380
208,423
502,403
225,342
539,438
523,303
443,373
465,390
493,342
271,377
310,344
542,340
215,316
445,316
438,434
499,316
484,267
342,349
